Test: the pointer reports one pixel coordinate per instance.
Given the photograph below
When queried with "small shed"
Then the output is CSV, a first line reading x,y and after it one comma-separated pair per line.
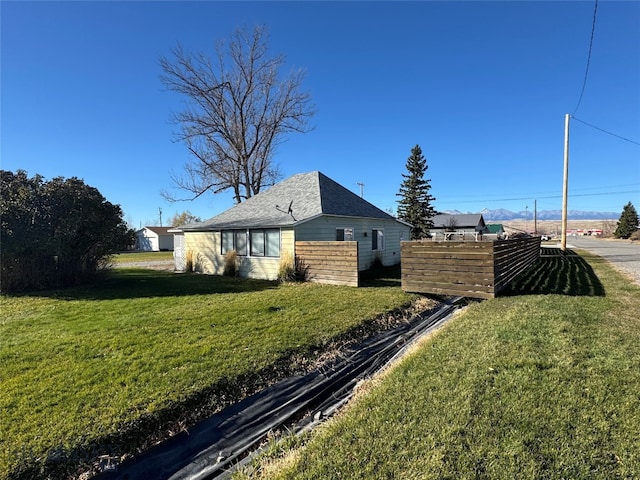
x,y
154,239
495,230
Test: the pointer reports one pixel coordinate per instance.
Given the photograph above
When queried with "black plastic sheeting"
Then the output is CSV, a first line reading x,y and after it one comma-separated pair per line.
x,y
212,446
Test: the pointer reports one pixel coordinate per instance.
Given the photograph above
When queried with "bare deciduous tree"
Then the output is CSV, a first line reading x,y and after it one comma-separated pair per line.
x,y
238,111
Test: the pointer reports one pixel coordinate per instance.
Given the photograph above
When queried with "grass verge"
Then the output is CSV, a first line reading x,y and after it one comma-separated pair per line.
x,y
113,368
127,257
526,386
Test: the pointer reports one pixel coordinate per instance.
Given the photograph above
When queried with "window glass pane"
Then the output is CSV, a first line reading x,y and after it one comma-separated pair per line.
x,y
377,239
344,234
227,241
241,242
273,243
257,242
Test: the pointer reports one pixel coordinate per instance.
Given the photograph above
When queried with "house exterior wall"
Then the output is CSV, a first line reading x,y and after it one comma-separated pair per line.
x,y
202,250
325,229
205,250
267,268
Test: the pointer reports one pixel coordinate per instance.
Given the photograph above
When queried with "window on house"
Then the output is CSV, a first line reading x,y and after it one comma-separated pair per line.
x,y
344,234
234,240
265,243
240,238
377,239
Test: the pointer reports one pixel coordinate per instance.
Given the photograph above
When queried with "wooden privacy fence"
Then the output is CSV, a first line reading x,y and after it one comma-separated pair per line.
x,y
330,262
469,269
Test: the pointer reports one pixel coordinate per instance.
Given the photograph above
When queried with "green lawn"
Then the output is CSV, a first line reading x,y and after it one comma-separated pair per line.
x,y
541,383
141,257
148,351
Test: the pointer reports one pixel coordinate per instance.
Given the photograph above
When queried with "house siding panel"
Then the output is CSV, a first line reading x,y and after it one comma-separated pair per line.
x,y
324,229
204,250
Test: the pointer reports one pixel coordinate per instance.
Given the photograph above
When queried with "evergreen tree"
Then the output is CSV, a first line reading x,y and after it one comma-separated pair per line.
x,y
628,222
415,204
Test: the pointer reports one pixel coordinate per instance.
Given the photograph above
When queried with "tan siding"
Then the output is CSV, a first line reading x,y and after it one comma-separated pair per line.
x,y
265,268
204,248
287,240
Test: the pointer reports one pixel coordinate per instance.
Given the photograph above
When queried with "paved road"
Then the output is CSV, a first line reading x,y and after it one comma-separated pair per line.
x,y
623,254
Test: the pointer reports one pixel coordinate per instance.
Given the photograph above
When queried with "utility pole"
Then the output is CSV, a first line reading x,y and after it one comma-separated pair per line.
x,y
565,184
160,211
361,189
535,217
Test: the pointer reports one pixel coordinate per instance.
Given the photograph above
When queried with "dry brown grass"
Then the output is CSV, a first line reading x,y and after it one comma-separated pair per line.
x,y
552,227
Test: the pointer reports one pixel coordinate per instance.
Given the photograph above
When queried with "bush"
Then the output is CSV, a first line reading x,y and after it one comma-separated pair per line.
x,y
230,264
189,265
55,233
287,267
292,269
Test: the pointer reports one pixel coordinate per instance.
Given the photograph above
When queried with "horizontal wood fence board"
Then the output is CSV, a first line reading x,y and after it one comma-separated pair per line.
x,y
440,261
469,280
488,269
452,289
333,263
474,269
319,261
328,253
479,286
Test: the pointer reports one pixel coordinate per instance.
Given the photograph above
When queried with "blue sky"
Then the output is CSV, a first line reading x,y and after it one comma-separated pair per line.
x,y
482,87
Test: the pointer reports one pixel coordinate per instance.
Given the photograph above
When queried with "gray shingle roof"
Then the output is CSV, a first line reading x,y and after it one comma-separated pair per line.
x,y
295,200
466,220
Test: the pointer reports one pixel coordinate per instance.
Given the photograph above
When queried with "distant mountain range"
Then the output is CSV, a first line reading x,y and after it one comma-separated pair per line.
x,y
502,214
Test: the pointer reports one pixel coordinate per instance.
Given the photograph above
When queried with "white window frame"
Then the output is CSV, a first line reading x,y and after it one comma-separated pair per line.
x,y
235,235
352,235
267,243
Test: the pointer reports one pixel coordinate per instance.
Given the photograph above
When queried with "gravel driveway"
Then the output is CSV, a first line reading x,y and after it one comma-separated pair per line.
x,y
155,265
622,254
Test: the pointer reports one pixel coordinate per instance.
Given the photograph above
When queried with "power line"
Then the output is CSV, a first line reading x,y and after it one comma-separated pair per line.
x,y
607,132
539,198
586,72
482,196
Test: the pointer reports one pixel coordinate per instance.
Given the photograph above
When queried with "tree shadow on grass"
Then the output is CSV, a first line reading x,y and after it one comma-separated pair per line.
x,y
558,273
125,283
